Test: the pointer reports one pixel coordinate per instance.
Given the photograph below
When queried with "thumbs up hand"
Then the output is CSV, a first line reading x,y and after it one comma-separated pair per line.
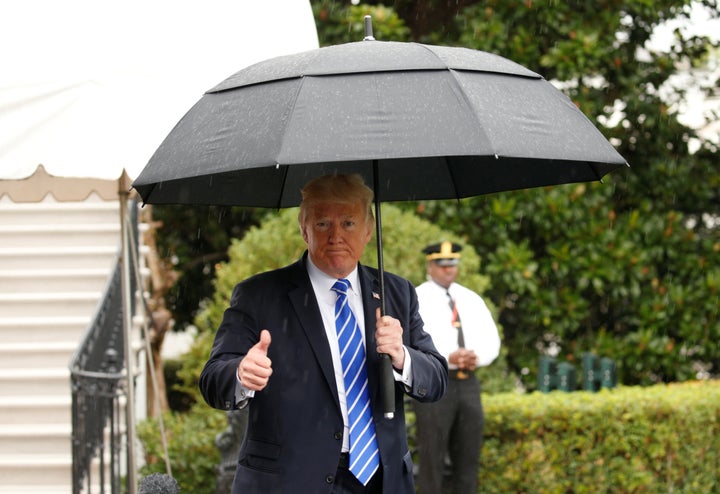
x,y
255,368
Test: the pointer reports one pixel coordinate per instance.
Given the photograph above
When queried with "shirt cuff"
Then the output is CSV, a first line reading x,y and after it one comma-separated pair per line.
x,y
242,394
406,376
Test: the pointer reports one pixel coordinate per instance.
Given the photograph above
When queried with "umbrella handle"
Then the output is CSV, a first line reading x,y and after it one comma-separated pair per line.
x,y
387,380
387,383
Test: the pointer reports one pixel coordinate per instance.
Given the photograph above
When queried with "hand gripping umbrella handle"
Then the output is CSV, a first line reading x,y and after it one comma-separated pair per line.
x,y
387,380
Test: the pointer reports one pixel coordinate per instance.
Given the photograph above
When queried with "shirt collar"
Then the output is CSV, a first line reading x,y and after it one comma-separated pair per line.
x,y
325,282
449,289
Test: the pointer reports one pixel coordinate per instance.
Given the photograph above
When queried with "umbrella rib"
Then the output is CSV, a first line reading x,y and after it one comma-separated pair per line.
x,y
286,170
288,115
458,90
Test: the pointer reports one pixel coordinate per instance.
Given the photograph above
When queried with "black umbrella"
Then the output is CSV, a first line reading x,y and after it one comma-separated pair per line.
x,y
417,121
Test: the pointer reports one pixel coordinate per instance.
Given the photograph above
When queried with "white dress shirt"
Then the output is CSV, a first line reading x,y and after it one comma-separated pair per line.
x,y
479,329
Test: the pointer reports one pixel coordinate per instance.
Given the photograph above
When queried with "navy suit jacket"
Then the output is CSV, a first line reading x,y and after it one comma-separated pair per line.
x,y
294,433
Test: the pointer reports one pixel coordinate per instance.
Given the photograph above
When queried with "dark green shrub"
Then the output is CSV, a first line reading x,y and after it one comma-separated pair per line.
x,y
178,399
194,458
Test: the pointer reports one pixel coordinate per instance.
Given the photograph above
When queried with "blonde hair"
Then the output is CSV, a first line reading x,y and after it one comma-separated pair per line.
x,y
348,189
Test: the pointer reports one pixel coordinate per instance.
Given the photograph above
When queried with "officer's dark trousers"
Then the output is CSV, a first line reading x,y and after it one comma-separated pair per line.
x,y
451,428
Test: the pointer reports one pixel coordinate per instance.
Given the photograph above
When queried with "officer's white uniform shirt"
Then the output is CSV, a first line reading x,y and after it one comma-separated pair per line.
x,y
479,329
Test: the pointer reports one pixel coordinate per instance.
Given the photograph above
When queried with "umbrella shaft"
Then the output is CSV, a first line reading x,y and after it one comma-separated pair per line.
x,y
386,373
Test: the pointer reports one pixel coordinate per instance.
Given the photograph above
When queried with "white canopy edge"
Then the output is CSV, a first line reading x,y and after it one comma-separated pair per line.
x,y
40,185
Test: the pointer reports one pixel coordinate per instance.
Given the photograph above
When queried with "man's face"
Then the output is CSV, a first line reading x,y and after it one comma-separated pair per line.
x,y
442,275
336,235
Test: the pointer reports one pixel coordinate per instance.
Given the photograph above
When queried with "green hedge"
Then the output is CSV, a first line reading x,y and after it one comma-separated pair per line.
x,y
664,438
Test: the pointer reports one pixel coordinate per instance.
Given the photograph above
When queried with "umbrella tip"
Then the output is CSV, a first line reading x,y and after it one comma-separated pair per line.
x,y
368,29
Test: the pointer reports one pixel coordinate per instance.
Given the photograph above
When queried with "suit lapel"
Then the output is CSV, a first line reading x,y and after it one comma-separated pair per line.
x,y
304,302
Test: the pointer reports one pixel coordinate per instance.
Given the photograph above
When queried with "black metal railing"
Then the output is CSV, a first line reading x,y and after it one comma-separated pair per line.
x,y
98,388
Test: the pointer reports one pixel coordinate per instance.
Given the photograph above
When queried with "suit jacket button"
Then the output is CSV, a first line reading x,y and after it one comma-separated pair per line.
x,y
338,435
329,479
422,392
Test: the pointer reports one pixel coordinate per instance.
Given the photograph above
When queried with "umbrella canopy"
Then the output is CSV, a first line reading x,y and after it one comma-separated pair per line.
x,y
440,122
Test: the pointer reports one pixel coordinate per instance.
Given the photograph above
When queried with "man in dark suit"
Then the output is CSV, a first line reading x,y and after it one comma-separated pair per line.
x,y
279,351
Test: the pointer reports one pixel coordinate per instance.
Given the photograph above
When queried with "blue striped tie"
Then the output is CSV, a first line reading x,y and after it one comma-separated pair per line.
x,y
364,454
